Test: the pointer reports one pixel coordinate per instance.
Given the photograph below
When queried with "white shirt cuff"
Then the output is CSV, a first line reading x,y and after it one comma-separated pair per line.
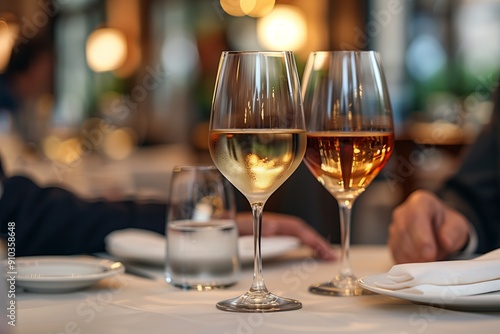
x,y
470,248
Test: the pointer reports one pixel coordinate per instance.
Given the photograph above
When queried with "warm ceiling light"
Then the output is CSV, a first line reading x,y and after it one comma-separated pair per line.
x,y
232,7
257,8
106,49
284,28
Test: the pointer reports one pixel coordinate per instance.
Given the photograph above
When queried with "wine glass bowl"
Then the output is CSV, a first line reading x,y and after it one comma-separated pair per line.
x,y
350,137
257,139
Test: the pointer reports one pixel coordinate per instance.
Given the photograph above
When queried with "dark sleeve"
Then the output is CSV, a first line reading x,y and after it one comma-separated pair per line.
x,y
475,189
53,221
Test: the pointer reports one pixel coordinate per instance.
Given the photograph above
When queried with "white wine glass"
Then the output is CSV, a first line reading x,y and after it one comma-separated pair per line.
x,y
350,137
257,140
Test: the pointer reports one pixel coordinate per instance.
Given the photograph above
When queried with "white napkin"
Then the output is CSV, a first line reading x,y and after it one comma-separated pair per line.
x,y
137,245
150,247
458,278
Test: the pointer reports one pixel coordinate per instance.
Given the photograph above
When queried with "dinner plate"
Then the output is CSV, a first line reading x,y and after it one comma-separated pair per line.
x,y
148,247
49,274
483,302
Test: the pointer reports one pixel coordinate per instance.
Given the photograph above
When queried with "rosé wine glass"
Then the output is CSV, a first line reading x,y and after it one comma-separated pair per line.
x,y
350,137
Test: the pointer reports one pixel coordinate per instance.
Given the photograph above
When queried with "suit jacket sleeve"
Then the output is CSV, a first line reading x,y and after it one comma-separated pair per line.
x,y
475,189
53,221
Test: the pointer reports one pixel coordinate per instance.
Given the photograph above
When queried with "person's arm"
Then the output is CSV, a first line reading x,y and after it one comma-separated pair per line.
x,y
53,221
430,227
465,214
474,190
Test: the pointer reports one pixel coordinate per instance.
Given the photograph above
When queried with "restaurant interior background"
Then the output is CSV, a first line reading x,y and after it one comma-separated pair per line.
x,y
104,97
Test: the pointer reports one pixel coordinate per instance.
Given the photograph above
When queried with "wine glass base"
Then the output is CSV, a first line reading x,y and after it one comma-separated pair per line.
x,y
259,302
333,289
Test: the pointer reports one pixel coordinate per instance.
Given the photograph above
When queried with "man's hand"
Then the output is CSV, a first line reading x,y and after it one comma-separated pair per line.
x,y
424,229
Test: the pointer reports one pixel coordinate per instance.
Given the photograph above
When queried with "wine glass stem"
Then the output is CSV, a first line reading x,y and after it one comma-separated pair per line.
x,y
258,279
345,206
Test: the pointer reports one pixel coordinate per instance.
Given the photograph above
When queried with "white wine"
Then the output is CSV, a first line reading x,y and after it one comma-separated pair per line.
x,y
257,161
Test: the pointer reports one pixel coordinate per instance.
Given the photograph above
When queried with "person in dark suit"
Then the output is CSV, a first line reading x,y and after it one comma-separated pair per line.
x,y
54,221
463,216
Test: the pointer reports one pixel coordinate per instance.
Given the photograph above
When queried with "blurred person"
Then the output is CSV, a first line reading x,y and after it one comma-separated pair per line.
x,y
26,81
463,217
54,221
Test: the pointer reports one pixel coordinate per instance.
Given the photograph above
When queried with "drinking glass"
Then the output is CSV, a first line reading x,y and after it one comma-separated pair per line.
x,y
350,137
202,236
257,139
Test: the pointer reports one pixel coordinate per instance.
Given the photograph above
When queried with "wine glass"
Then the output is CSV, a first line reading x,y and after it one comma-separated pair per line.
x,y
350,137
257,139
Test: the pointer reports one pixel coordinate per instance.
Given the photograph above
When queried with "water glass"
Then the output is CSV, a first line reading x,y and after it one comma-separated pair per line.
x,y
202,236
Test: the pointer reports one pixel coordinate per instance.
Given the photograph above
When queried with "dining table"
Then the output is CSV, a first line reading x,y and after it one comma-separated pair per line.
x,y
140,301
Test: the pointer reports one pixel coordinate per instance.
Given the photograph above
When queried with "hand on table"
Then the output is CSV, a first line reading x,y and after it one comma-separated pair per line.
x,y
424,229
281,224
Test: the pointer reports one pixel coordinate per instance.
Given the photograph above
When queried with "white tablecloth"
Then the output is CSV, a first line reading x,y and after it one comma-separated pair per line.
x,y
129,304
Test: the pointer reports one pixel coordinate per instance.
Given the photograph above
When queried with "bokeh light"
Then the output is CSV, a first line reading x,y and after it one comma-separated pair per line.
x,y
8,32
232,7
106,50
66,152
119,143
254,8
285,28
257,8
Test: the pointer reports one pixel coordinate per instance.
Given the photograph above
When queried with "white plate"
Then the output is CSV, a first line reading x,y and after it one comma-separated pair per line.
x,y
484,302
49,274
150,248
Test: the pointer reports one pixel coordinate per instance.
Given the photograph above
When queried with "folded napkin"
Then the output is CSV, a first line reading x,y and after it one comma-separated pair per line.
x,y
456,278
